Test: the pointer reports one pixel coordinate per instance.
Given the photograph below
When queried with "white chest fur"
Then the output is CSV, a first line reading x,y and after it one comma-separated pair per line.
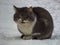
x,y
26,28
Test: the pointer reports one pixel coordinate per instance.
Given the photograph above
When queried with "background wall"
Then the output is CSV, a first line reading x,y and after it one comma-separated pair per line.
x,y
9,34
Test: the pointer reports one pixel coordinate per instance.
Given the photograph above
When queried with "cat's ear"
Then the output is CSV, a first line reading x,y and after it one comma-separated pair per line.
x,y
30,9
15,8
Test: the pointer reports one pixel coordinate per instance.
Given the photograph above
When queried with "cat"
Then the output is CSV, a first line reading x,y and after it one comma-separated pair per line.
x,y
33,22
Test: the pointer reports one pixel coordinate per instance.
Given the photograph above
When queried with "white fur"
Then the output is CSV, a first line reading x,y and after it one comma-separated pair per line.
x,y
26,28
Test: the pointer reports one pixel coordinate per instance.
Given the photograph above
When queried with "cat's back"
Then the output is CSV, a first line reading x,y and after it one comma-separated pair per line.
x,y
42,13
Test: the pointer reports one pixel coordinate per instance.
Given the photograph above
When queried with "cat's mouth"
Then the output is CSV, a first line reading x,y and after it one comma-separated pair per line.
x,y
24,21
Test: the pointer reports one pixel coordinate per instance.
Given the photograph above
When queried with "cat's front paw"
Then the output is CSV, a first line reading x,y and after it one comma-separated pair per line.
x,y
22,36
27,37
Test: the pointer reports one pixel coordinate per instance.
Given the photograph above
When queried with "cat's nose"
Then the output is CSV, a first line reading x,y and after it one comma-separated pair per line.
x,y
22,22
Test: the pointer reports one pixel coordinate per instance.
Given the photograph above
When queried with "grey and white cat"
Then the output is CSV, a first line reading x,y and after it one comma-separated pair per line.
x,y
33,22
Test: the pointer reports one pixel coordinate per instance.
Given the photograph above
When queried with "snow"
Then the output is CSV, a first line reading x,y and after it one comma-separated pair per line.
x,y
9,35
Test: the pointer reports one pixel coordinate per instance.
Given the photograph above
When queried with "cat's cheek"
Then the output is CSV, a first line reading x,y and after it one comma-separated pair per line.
x,y
19,21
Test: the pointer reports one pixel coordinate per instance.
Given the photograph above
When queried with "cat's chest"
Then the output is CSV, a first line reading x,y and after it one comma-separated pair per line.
x,y
27,28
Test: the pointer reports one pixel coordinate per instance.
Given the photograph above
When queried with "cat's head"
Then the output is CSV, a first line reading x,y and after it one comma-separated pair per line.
x,y
23,14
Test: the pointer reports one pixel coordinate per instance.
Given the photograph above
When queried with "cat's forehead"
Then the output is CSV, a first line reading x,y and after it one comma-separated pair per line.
x,y
23,9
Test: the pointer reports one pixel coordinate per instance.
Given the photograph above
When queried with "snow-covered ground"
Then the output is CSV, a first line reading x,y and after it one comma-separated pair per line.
x,y
9,34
